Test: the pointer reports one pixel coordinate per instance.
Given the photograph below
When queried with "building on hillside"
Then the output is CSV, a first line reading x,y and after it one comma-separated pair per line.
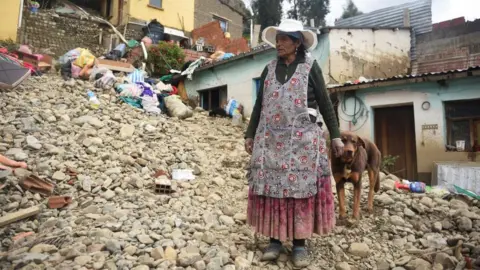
x,y
10,19
416,14
453,44
419,118
229,13
344,54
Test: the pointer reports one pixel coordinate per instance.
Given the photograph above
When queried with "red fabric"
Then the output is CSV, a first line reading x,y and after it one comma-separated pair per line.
x,y
289,218
175,90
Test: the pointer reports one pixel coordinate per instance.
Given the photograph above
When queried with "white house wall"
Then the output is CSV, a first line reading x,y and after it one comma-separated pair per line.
x,y
369,53
433,147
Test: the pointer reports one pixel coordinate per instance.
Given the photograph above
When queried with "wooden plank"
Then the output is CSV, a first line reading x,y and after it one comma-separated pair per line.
x,y
115,65
19,215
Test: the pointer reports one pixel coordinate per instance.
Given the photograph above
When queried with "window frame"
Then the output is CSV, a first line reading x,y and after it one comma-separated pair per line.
x,y
472,120
220,20
153,5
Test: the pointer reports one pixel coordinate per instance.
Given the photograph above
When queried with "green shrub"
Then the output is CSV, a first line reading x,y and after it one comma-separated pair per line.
x,y
388,163
163,57
9,44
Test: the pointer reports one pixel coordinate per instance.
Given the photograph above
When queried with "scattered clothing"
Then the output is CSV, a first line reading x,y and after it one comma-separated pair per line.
x,y
106,81
136,76
189,71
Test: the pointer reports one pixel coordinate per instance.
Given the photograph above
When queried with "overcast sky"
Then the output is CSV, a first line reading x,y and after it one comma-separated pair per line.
x,y
442,9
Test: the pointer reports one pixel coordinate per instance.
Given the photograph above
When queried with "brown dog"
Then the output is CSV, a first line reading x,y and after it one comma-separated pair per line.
x,y
358,155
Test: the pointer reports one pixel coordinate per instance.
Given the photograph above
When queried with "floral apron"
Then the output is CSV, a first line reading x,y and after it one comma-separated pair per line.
x,y
289,150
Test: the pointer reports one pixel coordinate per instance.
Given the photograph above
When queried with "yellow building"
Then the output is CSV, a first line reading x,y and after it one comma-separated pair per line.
x,y
176,15
9,19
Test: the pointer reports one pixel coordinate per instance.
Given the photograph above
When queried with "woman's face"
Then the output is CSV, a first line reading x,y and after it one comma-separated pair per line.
x,y
286,46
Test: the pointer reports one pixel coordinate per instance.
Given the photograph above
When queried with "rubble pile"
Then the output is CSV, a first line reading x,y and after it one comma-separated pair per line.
x,y
89,200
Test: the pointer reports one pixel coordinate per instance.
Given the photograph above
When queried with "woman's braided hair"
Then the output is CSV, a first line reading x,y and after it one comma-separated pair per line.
x,y
301,51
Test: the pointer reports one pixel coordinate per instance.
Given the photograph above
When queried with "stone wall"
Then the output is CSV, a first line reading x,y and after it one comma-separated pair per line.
x,y
50,33
203,15
449,46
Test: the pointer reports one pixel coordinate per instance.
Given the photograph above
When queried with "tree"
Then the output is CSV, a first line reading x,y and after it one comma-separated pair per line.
x,y
267,12
305,10
350,10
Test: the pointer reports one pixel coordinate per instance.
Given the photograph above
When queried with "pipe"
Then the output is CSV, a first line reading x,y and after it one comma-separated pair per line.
x,y
20,15
251,32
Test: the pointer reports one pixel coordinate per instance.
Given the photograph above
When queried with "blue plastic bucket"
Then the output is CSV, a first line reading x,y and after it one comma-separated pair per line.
x,y
33,9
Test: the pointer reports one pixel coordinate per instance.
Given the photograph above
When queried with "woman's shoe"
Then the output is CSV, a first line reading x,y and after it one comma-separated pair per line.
x,y
300,257
272,252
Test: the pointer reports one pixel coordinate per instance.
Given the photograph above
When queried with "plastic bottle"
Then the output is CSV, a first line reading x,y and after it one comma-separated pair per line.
x,y
415,187
93,100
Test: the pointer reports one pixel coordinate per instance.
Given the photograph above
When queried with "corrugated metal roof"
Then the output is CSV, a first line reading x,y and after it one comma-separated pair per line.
x,y
420,19
403,77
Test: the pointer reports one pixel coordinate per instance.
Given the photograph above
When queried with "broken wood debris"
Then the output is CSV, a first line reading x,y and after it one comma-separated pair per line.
x,y
19,215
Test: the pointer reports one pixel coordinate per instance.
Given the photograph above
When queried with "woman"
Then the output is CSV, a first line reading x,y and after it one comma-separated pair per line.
x,y
290,193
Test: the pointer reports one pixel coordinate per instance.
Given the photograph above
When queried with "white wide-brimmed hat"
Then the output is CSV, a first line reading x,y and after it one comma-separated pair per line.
x,y
309,38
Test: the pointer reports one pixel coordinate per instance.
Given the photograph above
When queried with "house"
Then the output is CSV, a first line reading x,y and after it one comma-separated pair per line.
x,y
344,54
415,117
177,16
415,14
10,19
229,13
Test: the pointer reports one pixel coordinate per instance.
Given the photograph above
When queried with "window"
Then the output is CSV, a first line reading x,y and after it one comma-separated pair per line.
x,y
155,3
463,123
223,23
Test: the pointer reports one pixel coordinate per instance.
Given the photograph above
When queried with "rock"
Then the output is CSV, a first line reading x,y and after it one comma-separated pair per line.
x,y
342,266
83,260
200,265
396,220
109,194
458,204
43,248
428,202
33,143
408,213
464,224
170,254
226,220
384,199
144,239
87,119
383,265
59,176
187,259
418,264
131,250
242,263
142,267
437,227
240,217
157,253
219,181
209,238
126,131
113,245
359,249
446,261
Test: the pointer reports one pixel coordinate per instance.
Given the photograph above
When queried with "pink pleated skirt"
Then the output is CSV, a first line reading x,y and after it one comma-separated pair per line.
x,y
290,218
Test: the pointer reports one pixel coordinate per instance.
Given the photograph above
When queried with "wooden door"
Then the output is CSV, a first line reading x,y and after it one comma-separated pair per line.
x,y
395,136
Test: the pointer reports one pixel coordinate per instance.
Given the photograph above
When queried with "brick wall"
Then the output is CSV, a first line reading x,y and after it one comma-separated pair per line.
x,y
53,34
449,46
203,15
213,35
191,55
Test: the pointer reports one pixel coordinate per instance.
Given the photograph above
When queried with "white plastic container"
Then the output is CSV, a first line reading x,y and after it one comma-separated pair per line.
x,y
93,100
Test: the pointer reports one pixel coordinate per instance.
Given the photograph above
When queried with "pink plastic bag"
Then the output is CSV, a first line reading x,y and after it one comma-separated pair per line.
x,y
76,71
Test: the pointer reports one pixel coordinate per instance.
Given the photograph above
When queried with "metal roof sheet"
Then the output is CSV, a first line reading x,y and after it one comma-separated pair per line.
x,y
420,19
403,77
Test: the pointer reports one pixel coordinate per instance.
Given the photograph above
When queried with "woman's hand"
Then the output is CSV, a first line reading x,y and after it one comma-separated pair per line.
x,y
337,147
249,145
